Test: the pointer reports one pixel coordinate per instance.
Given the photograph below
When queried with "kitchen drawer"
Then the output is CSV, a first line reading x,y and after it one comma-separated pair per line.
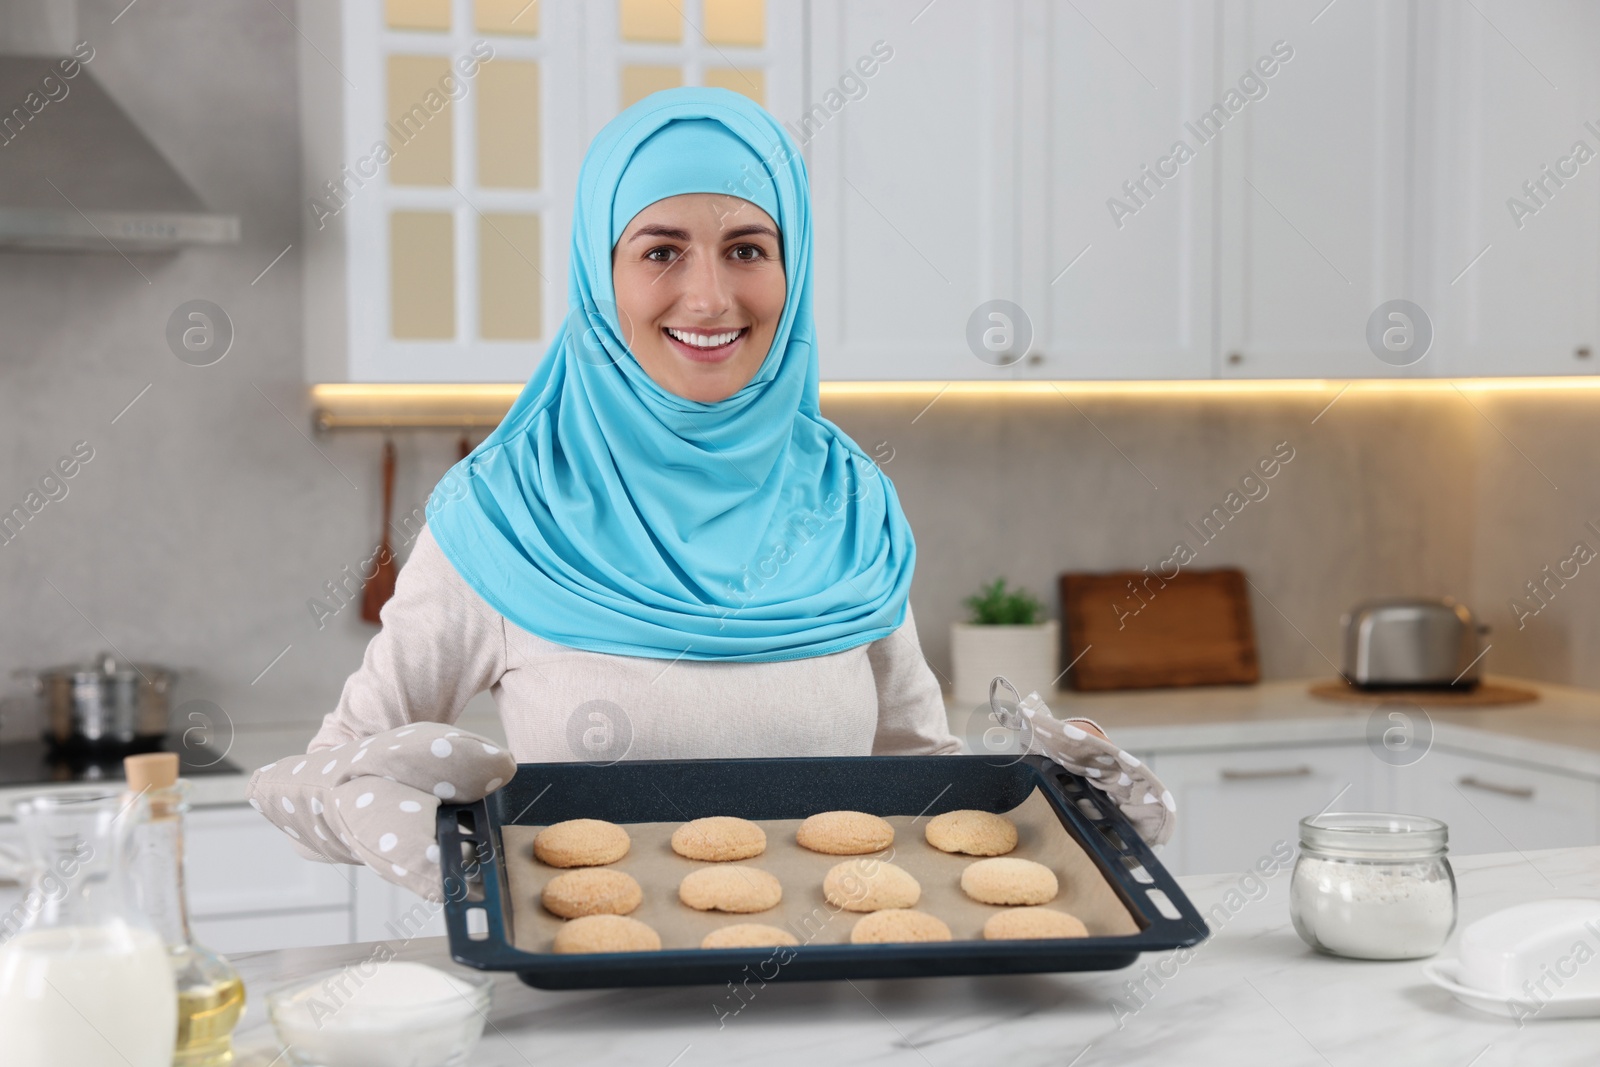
x,y
238,862
1235,805
253,933
387,912
11,893
1494,806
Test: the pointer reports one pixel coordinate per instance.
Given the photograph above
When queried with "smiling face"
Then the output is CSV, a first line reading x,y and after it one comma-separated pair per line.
x,y
700,289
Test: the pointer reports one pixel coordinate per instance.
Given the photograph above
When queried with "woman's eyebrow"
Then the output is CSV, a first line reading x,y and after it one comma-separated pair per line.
x,y
673,234
660,231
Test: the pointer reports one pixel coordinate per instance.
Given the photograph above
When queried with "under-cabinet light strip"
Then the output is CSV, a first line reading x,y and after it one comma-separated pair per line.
x,y
459,404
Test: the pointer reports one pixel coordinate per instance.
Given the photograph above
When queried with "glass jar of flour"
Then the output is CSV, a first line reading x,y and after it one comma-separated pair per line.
x,y
1373,886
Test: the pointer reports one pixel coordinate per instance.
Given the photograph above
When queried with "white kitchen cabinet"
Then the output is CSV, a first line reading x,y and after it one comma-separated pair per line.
x,y
387,912
1515,221
257,933
1115,233
1314,189
418,265
441,146
246,886
949,185
913,184
238,862
249,889
1235,805
972,151
11,892
1499,806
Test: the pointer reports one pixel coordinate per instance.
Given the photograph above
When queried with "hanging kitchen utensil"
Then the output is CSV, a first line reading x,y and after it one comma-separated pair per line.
x,y
464,446
380,587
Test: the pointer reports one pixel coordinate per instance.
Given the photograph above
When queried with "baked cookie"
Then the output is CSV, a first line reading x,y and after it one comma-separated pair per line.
x,y
844,833
748,935
581,843
1007,880
898,924
869,885
1016,923
735,889
974,833
591,892
719,838
606,933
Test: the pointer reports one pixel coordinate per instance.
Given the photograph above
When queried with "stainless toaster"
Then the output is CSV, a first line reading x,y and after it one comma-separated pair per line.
x,y
1411,642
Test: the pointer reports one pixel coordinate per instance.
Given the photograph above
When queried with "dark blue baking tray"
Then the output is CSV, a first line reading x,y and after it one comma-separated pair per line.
x,y
477,911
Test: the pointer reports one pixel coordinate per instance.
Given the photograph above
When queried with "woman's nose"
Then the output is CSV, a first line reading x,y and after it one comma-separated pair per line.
x,y
705,290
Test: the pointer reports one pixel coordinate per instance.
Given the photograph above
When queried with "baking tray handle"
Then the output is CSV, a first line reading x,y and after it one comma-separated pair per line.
x,y
1165,906
474,887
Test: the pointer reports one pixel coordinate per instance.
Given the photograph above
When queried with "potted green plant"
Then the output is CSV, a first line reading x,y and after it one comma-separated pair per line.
x,y
1005,633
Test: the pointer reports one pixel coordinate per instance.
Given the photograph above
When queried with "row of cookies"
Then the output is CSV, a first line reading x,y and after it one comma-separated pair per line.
x,y
619,933
596,902
725,838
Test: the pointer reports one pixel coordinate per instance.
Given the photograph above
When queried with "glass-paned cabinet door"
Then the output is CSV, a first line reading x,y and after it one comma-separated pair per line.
x,y
637,47
457,135
479,92
443,140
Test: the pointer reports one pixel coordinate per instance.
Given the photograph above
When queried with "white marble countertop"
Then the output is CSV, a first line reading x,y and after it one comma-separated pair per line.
x,y
1252,994
1560,730
249,746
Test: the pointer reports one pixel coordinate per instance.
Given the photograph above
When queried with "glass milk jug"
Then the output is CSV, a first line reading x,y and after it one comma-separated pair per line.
x,y
85,979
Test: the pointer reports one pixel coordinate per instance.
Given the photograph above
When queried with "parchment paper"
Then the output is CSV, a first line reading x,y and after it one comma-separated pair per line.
x,y
804,911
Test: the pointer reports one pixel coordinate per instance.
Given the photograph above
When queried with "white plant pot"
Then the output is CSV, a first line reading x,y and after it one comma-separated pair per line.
x,y
1025,654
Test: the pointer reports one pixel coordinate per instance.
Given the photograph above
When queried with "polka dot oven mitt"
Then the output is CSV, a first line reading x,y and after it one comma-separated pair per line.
x,y
1132,786
375,801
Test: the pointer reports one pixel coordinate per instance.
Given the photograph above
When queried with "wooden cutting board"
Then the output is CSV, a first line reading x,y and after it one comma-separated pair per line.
x,y
1135,630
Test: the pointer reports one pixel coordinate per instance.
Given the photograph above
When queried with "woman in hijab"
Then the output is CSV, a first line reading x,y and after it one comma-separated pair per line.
x,y
664,531
664,551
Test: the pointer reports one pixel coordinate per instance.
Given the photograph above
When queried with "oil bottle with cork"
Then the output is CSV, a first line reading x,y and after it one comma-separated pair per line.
x,y
210,992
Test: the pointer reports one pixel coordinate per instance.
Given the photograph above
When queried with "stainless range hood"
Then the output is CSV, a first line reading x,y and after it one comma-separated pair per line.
x,y
76,173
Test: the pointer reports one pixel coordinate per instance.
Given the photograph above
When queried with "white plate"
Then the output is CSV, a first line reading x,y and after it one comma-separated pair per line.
x,y
1446,975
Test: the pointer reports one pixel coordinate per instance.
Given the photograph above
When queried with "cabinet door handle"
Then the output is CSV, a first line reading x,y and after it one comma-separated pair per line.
x,y
1301,771
1471,781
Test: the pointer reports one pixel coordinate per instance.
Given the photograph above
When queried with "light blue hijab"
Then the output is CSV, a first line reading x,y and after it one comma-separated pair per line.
x,y
605,513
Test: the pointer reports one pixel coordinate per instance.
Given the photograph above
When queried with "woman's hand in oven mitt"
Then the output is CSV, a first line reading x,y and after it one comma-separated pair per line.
x,y
375,801
1131,785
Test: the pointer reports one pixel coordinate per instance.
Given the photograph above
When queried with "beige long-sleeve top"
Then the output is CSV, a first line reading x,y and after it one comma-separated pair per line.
x,y
442,643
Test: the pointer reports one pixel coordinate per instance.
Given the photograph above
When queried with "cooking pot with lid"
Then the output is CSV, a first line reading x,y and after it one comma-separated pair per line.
x,y
107,704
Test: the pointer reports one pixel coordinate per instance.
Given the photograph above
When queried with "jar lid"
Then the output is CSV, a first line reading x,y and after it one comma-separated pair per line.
x,y
1373,833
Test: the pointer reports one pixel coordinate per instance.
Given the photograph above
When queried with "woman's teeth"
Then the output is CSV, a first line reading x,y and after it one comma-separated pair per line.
x,y
705,340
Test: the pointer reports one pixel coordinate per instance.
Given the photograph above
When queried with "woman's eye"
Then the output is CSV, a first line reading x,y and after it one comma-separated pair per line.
x,y
660,255
748,253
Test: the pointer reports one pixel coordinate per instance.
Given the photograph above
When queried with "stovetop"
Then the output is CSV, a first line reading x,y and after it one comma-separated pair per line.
x,y
33,762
